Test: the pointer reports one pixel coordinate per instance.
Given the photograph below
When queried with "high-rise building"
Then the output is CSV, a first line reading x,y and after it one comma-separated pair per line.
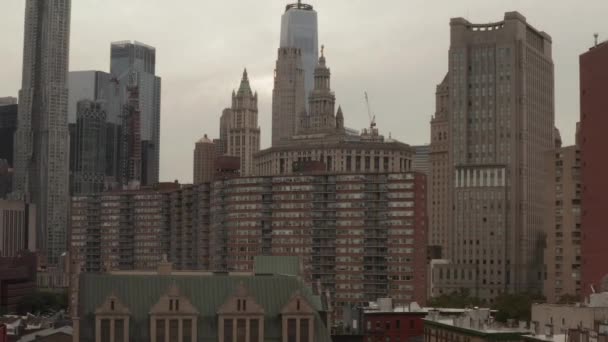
x,y
6,178
299,29
204,160
321,142
8,100
421,159
8,126
440,174
288,94
42,137
17,228
89,148
239,130
594,166
136,61
500,126
98,86
563,236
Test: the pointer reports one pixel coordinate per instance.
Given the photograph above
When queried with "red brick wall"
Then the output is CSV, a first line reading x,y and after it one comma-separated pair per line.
x,y
399,327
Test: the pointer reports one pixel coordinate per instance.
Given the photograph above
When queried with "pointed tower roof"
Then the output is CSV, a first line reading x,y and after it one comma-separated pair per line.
x,y
339,114
322,58
245,88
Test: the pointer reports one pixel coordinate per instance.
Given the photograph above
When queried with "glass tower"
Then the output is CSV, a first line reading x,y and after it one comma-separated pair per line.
x,y
137,58
299,29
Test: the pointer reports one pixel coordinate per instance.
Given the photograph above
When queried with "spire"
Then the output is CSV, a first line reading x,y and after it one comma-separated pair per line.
x,y
322,59
244,88
339,114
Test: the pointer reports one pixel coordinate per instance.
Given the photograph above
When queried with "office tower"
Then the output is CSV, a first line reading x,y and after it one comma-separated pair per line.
x,y
594,166
500,124
8,126
8,100
89,150
6,178
17,228
239,129
42,138
440,174
288,94
135,60
321,143
204,160
563,236
98,86
299,29
421,159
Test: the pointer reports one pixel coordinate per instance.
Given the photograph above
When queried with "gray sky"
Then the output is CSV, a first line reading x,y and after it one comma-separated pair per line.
x,y
394,49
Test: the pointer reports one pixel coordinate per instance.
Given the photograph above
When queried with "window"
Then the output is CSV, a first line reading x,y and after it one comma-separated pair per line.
x,y
241,330
228,330
177,305
388,325
254,330
173,330
291,330
187,330
304,326
398,324
119,330
105,330
411,324
160,329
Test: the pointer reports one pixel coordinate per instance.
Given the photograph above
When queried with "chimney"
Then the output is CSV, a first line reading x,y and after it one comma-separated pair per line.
x,y
164,267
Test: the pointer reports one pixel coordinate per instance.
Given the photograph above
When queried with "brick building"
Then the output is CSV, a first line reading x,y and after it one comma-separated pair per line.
x,y
17,279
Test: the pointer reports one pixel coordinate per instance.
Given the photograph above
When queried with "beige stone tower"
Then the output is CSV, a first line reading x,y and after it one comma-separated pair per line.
x,y
204,160
239,130
288,95
500,126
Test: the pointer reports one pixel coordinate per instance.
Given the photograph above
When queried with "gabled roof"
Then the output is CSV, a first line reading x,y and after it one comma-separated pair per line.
x,y
283,265
207,293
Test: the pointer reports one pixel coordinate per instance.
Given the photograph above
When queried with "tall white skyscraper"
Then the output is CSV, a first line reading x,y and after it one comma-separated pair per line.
x,y
299,29
42,138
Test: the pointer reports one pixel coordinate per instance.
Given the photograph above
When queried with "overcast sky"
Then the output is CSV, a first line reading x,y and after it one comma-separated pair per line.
x,y
394,49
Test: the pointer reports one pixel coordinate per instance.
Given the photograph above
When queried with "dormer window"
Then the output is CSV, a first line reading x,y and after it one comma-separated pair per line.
x,y
112,305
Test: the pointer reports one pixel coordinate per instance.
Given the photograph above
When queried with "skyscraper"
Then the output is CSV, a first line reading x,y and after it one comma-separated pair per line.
x,y
42,138
239,128
500,127
299,29
288,94
89,150
8,126
594,166
137,58
204,160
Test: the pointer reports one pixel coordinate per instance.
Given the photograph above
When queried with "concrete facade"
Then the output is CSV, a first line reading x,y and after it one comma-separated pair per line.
x,y
563,239
204,160
564,317
594,167
42,138
501,103
17,228
421,159
239,130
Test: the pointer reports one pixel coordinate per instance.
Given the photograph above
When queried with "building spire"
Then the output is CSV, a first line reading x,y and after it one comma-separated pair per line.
x,y
245,88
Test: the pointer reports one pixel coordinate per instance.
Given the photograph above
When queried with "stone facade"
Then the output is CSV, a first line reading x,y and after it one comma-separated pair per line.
x,y
204,160
501,126
239,130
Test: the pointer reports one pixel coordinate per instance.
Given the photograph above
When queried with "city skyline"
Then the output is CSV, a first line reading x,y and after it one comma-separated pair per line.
x,y
194,88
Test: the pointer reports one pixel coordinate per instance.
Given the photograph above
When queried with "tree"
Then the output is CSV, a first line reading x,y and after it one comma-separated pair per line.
x,y
459,300
42,302
569,299
515,306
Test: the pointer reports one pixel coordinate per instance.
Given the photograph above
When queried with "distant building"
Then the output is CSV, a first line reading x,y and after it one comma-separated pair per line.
x,y
288,94
89,148
320,136
6,178
299,29
8,127
8,100
134,64
394,326
17,279
562,317
239,130
17,228
594,167
191,306
421,159
563,240
204,160
490,206
473,325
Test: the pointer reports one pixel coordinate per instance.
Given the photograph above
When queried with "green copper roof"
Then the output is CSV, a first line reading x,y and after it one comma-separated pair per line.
x,y
206,292
245,88
285,265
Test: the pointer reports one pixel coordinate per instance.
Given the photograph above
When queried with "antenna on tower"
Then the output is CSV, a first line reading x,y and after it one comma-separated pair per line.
x,y
596,35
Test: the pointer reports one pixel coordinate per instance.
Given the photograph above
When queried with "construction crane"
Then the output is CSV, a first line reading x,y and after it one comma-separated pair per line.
x,y
372,119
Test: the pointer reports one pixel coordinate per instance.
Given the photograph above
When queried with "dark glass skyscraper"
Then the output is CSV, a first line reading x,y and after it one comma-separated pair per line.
x,y
135,58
